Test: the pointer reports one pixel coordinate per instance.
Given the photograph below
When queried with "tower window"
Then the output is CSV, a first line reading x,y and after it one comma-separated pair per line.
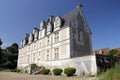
x,y
81,38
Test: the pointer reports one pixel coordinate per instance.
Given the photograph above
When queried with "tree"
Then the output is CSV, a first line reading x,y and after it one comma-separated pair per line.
x,y
112,52
0,42
0,51
13,49
9,57
111,55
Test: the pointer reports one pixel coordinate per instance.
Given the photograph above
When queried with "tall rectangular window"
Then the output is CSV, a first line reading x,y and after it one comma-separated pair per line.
x,y
40,45
56,53
33,57
81,38
39,55
47,55
40,34
56,37
48,40
28,58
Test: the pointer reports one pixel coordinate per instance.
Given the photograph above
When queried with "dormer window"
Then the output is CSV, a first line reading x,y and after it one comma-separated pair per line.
x,y
21,44
30,37
42,24
24,42
36,35
57,22
48,27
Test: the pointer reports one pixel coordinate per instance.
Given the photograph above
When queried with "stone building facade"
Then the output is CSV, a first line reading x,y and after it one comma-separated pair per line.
x,y
60,42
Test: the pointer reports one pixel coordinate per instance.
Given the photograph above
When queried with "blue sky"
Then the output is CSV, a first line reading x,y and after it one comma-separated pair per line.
x,y
18,17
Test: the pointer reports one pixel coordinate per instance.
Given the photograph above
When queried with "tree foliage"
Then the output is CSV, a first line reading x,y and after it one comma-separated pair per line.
x,y
112,52
0,42
9,56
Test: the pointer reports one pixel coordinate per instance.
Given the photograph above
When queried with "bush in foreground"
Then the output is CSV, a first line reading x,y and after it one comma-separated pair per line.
x,y
45,71
33,66
57,71
69,71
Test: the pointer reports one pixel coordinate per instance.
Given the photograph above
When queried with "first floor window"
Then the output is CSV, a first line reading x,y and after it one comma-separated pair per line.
x,y
33,57
39,56
28,58
40,45
56,37
47,54
48,41
56,53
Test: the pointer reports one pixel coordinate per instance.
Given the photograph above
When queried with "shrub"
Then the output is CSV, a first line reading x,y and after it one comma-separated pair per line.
x,y
45,71
33,66
57,71
69,71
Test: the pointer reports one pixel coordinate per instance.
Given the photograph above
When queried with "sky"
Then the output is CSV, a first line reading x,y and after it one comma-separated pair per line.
x,y
18,17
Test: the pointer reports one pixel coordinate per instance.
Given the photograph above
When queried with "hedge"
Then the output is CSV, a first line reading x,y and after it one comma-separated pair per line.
x,y
57,71
45,71
33,66
69,71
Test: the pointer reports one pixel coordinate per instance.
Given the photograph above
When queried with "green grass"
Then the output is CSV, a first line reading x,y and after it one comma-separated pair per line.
x,y
5,70
111,74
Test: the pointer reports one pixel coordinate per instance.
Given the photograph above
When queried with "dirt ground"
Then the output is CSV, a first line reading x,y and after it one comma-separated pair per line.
x,y
23,76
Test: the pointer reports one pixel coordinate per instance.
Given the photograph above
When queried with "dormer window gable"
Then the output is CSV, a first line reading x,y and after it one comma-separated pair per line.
x,y
49,26
42,24
58,22
31,38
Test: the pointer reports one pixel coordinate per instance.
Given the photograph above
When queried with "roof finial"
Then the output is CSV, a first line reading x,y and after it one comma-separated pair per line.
x,y
79,5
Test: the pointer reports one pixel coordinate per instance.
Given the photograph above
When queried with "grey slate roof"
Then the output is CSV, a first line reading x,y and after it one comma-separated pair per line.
x,y
67,17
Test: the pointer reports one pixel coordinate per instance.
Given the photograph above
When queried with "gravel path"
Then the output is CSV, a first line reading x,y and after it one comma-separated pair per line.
x,y
23,76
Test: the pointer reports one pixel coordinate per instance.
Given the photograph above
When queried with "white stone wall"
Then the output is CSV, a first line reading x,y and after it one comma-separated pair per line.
x,y
84,65
36,52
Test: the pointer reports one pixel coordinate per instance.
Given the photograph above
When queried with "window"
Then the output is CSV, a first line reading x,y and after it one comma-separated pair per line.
x,y
47,54
48,27
86,27
33,57
80,38
28,58
48,41
56,37
34,46
40,34
40,44
39,56
56,53
57,22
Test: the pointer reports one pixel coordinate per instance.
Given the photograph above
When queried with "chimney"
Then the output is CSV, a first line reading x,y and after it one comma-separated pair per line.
x,y
79,5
